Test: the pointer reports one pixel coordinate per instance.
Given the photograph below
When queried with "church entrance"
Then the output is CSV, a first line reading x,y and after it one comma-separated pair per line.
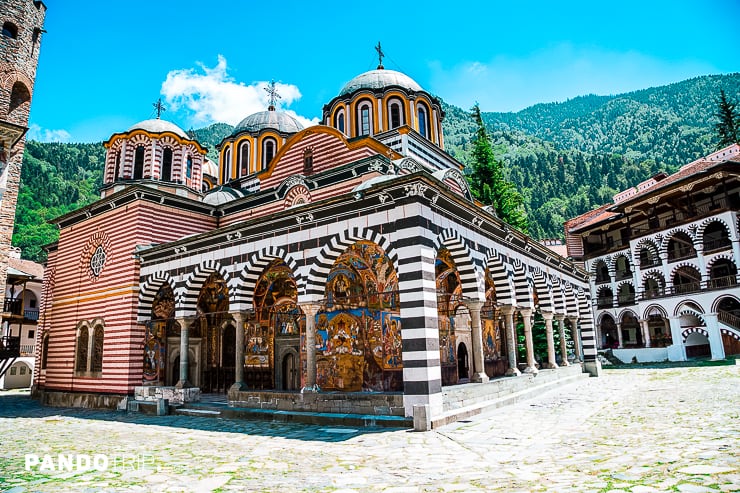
x,y
463,362
449,298
291,376
215,327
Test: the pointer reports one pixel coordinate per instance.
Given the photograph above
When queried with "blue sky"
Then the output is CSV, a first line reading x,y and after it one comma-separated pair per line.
x,y
103,64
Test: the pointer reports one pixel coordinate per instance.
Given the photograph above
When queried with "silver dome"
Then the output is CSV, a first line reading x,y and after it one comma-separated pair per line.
x,y
278,120
378,79
156,125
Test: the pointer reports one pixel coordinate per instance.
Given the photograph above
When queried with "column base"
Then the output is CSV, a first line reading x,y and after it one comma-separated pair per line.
x,y
237,387
310,389
183,384
565,363
479,378
550,366
531,370
512,372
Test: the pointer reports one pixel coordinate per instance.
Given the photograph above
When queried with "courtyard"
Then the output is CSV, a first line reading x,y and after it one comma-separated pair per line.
x,y
636,429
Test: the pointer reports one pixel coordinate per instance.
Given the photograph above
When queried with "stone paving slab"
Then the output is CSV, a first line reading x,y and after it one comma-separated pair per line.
x,y
633,430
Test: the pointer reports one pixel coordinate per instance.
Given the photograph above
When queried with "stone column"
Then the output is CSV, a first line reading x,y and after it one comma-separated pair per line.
x,y
310,310
563,342
479,371
715,336
576,338
645,332
508,312
183,383
677,336
551,363
528,342
619,335
239,363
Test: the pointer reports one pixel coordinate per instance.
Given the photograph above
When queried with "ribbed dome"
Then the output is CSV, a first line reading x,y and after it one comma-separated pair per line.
x,y
210,168
378,79
278,120
221,195
156,125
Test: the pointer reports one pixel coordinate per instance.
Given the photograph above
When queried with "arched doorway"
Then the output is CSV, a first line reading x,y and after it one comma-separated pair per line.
x,y
608,332
277,327
463,362
291,379
697,346
631,333
728,314
358,336
212,310
160,327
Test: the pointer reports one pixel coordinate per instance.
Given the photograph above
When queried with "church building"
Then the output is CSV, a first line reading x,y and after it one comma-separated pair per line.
x,y
334,265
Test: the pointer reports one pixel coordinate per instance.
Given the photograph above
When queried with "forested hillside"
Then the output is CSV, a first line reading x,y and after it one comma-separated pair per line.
x,y
565,158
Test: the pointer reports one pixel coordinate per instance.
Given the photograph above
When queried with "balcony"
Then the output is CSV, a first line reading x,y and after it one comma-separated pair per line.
x,y
717,245
621,275
28,349
686,288
10,347
681,253
628,299
722,282
14,306
604,302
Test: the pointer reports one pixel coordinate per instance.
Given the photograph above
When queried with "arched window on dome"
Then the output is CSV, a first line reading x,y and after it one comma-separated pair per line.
x,y
395,114
363,119
225,165
189,167
423,121
117,172
339,120
268,151
244,158
166,171
139,163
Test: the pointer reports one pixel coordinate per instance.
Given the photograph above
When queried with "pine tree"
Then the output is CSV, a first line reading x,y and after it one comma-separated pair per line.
x,y
487,181
729,121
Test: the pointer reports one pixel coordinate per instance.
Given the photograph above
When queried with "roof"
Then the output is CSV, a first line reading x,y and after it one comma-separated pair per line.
x,y
378,79
278,120
222,194
157,125
25,268
605,212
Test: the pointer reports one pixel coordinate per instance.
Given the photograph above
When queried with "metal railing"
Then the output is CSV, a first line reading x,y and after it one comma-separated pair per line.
x,y
681,253
717,245
28,349
604,302
728,319
722,282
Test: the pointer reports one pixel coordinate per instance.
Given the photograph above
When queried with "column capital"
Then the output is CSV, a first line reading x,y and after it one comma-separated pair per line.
x,y
526,312
559,317
547,315
474,305
310,308
508,309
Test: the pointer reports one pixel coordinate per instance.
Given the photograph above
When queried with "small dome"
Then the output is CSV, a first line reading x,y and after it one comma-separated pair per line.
x,y
221,195
156,125
378,79
278,120
210,168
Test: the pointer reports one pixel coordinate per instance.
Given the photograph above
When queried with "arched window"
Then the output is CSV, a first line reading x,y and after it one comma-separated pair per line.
x,y
395,115
226,165
19,95
118,166
244,158
423,122
716,237
339,121
97,355
9,30
308,161
268,152
189,167
82,344
139,163
45,352
680,246
364,119
166,173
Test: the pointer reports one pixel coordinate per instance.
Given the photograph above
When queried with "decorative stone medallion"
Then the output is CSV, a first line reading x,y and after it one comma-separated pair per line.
x,y
95,254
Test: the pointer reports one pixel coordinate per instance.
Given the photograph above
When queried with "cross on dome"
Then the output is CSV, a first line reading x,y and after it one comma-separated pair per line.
x,y
380,56
159,107
273,94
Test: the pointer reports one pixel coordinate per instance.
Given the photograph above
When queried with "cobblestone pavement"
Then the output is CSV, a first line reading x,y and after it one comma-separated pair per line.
x,y
638,430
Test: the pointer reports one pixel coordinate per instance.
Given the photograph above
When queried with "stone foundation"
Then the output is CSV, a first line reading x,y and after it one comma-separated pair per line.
x,y
174,395
380,404
77,399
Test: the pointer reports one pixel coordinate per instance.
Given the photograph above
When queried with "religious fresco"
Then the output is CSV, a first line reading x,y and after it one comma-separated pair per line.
x,y
449,298
211,311
494,346
276,316
155,339
358,335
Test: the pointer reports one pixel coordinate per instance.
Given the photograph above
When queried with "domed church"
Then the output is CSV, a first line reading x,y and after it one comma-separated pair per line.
x,y
343,266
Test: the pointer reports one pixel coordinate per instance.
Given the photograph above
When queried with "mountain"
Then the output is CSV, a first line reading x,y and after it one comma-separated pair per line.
x,y
566,158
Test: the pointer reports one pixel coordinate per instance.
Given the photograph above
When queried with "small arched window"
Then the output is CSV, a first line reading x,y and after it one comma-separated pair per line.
x,y
395,115
339,121
423,122
308,161
45,352
82,344
118,166
365,120
9,30
166,173
226,165
19,95
189,167
268,152
139,163
244,158
97,355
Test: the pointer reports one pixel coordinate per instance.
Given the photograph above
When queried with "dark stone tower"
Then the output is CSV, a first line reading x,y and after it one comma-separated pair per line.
x,y
22,23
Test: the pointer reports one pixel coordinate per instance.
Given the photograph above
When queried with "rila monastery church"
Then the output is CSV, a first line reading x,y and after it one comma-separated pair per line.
x,y
345,261
346,267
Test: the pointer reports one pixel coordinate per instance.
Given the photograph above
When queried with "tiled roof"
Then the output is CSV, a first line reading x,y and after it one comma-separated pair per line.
x,y
27,266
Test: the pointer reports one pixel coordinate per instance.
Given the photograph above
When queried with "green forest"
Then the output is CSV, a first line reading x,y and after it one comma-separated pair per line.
x,y
564,158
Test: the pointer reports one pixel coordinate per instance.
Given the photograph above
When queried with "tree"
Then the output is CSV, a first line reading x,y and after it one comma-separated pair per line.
x,y
487,180
729,121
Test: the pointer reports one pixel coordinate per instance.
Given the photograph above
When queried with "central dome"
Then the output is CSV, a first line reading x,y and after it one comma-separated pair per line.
x,y
378,79
278,120
157,126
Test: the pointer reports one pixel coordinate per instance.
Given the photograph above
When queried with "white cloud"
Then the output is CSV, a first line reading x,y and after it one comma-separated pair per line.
x,y
35,132
555,73
211,95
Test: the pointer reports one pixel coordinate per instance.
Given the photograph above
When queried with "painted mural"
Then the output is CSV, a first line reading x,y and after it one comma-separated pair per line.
x,y
155,339
358,336
494,346
449,296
